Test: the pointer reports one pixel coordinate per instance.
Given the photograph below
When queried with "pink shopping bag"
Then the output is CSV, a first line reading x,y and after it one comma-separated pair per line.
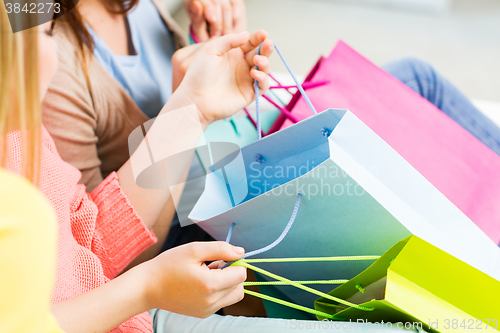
x,y
465,170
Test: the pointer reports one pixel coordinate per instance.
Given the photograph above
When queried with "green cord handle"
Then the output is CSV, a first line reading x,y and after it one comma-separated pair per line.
x,y
244,263
339,258
285,303
281,283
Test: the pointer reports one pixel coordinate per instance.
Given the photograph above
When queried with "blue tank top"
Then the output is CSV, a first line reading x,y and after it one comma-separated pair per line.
x,y
147,75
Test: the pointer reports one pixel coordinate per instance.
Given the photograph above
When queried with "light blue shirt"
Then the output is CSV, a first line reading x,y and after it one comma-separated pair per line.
x,y
146,76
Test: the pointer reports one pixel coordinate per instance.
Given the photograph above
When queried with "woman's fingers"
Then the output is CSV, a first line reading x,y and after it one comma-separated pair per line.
x,y
232,297
226,43
263,63
228,277
227,17
216,264
214,17
266,50
239,16
262,79
254,41
198,21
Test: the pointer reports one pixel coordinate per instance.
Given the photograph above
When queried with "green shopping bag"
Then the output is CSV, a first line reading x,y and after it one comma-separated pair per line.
x,y
415,281
413,285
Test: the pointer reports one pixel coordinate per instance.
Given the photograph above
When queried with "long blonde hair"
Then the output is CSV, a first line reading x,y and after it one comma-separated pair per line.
x,y
20,107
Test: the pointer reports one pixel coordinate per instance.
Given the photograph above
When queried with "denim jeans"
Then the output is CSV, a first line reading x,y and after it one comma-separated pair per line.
x,y
168,322
422,78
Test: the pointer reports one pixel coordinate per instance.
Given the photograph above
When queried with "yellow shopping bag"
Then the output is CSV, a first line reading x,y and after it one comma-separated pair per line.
x,y
417,282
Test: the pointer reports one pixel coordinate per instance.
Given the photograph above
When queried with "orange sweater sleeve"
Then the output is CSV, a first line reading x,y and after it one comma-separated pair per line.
x,y
114,232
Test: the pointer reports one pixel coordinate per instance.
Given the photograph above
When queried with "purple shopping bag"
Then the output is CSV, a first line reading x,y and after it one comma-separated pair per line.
x,y
465,170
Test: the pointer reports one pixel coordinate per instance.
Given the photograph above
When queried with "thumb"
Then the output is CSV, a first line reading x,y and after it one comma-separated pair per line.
x,y
226,43
209,251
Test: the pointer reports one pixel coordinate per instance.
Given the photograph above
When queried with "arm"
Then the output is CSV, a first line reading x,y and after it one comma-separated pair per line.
x,y
234,86
178,280
70,114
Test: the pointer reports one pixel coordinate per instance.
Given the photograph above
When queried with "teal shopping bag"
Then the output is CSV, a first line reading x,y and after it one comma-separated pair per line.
x,y
238,130
359,197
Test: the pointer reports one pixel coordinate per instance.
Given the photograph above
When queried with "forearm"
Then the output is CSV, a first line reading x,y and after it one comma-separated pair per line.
x,y
104,308
219,82
149,203
161,230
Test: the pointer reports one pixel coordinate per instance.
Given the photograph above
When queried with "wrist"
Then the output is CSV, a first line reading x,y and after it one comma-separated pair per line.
x,y
140,287
188,97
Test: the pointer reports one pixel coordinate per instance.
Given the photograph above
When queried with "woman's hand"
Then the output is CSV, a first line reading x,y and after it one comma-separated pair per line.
x,y
179,281
181,60
176,280
220,80
211,18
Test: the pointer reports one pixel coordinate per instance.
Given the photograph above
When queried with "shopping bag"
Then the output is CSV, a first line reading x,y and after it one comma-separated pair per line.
x,y
448,156
238,130
417,282
359,196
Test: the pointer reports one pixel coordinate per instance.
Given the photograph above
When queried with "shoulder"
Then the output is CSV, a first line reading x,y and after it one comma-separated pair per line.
x,y
76,61
76,89
68,47
70,72
177,32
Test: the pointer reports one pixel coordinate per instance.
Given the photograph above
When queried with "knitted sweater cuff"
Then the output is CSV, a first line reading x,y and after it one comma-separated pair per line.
x,y
122,232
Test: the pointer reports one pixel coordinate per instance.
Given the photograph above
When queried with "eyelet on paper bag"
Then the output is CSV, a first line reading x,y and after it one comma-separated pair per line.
x,y
326,132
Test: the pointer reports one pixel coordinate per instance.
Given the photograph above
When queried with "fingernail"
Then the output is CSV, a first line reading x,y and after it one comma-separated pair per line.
x,y
239,250
195,11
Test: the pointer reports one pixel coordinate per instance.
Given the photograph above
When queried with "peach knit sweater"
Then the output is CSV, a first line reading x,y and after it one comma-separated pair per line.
x,y
99,233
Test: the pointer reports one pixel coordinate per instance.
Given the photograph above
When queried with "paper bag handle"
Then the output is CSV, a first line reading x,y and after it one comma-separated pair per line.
x,y
298,284
299,86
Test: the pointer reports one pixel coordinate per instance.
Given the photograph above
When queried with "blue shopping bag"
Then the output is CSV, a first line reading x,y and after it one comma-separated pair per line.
x,y
358,197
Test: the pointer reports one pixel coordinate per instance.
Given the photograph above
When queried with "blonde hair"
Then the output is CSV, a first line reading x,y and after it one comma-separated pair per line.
x,y
20,107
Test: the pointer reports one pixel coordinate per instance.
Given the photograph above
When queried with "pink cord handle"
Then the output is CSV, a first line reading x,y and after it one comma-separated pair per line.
x,y
287,113
193,35
280,85
305,85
